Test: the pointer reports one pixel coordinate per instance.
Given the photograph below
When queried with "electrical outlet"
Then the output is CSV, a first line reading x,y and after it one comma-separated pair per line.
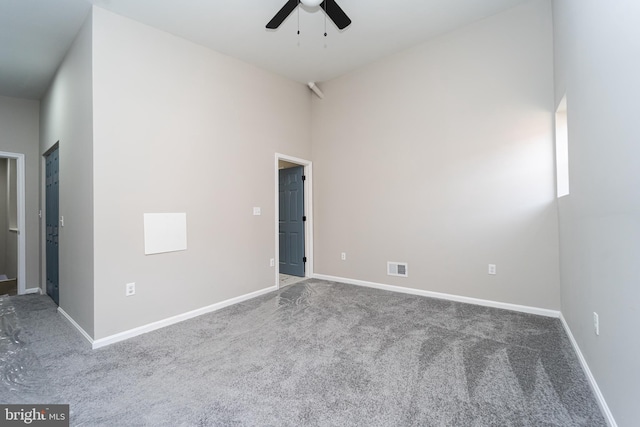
x,y
272,262
596,323
491,269
130,289
343,256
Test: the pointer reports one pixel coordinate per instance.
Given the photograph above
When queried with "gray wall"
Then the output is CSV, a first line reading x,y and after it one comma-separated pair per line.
x,y
180,128
19,128
442,156
67,117
597,64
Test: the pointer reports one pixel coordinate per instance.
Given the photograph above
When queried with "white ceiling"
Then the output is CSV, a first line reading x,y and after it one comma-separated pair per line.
x,y
35,34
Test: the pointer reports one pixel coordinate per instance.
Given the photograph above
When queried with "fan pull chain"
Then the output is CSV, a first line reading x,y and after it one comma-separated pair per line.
x,y
298,23
325,24
298,19
325,19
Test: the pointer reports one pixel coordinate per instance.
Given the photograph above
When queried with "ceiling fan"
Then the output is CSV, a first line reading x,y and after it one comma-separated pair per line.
x,y
330,7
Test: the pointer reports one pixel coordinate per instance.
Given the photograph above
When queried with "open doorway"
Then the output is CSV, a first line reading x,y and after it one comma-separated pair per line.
x,y
52,223
12,236
294,225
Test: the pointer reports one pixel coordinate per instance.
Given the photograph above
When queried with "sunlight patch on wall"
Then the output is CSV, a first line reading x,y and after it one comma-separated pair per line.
x,y
562,149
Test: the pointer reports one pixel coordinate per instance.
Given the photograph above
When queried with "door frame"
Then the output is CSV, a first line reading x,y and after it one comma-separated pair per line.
x,y
308,211
20,220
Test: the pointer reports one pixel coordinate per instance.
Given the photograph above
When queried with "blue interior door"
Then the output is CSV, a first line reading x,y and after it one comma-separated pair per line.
x,y
52,213
291,207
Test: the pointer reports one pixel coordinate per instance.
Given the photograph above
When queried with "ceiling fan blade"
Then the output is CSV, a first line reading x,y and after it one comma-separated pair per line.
x,y
282,14
336,14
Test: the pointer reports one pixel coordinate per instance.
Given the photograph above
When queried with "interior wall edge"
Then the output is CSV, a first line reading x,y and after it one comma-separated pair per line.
x,y
604,408
95,344
121,336
75,325
450,297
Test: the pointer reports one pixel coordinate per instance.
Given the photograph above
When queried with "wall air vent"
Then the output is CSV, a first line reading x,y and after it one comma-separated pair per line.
x,y
400,269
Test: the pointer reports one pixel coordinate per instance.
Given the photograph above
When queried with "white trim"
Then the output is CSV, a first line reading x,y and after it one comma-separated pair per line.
x,y
450,297
592,381
33,291
308,211
42,221
75,324
20,200
173,320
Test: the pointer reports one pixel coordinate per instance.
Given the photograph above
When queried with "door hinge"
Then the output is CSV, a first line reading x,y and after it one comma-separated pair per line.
x,y
304,218
304,178
304,259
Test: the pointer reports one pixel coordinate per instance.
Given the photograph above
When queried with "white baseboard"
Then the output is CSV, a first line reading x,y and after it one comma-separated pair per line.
x,y
75,324
592,381
450,297
525,309
176,319
488,303
33,291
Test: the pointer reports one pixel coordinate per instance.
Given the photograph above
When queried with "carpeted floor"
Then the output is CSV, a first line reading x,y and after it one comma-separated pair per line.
x,y
286,280
315,353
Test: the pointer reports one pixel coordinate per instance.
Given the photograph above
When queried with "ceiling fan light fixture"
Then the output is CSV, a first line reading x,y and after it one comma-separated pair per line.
x,y
311,3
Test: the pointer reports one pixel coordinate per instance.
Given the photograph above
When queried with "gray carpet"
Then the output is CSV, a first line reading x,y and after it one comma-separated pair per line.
x,y
315,353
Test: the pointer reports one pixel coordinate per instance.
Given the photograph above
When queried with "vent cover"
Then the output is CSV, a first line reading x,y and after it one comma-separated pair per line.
x,y
400,269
